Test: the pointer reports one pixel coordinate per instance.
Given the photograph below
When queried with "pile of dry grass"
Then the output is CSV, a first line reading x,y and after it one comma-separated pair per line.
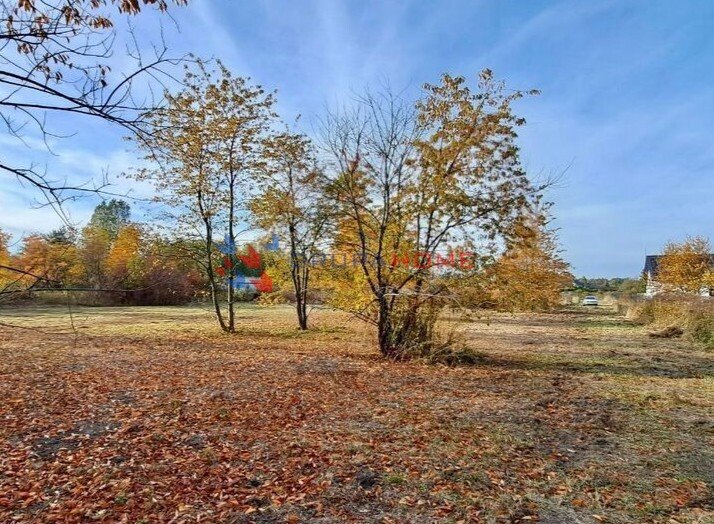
x,y
694,316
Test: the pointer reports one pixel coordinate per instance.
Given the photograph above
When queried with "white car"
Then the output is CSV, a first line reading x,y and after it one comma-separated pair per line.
x,y
590,300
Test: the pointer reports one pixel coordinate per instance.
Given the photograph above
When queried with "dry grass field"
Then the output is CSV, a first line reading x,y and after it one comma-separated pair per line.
x,y
151,415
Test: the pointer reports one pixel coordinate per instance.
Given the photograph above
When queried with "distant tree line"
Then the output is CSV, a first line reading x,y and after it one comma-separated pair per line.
x,y
110,261
617,284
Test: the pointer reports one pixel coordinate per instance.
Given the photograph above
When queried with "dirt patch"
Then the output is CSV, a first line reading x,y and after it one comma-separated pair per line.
x,y
47,448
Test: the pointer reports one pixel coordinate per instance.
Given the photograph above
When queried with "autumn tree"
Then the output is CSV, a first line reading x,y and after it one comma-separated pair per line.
x,y
63,261
414,180
122,261
687,266
7,276
46,265
96,241
44,262
205,146
94,246
33,261
4,247
531,274
291,203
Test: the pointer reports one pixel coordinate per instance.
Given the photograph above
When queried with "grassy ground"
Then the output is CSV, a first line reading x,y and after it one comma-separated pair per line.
x,y
150,415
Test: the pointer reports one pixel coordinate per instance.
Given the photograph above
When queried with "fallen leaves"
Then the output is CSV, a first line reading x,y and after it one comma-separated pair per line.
x,y
211,429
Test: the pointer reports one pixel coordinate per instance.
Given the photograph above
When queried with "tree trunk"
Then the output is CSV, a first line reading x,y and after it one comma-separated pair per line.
x,y
216,302
301,309
231,239
300,287
385,329
231,312
212,277
299,272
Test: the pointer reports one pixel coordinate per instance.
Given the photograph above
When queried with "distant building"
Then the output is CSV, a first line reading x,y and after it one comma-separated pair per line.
x,y
650,272
273,245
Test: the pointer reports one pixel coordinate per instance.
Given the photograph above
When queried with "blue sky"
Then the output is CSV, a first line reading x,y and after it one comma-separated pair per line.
x,y
626,110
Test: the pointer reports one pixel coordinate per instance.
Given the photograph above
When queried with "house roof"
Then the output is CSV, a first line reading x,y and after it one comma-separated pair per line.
x,y
652,263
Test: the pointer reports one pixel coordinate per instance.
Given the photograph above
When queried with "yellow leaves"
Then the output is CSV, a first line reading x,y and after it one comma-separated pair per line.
x,y
686,266
529,276
4,251
346,283
208,141
123,252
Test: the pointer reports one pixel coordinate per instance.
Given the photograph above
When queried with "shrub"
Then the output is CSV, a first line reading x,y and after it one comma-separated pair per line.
x,y
700,322
694,315
414,330
430,335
